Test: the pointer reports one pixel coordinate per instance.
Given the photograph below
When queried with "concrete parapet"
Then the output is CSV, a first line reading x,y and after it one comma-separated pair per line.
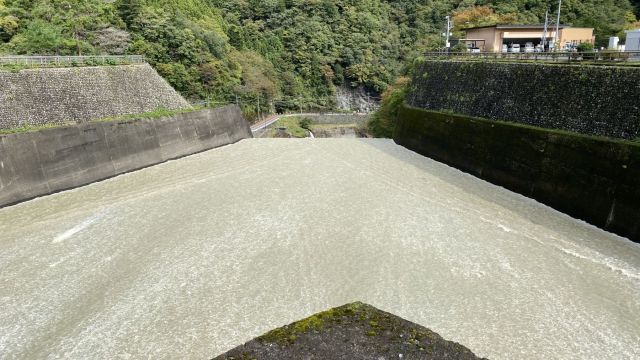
x,y
591,178
44,162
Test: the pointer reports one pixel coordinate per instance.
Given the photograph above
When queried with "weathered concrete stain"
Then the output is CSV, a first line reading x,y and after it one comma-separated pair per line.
x,y
591,178
47,161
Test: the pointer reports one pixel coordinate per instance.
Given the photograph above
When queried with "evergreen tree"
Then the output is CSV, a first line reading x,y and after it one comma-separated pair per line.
x,y
129,11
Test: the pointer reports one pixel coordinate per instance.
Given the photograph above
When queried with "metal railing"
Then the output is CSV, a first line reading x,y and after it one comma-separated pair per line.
x,y
72,60
600,57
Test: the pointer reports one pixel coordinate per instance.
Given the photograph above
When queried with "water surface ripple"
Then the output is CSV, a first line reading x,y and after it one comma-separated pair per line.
x,y
192,257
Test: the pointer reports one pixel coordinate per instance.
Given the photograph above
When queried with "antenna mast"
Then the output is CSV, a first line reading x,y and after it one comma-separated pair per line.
x,y
556,38
546,30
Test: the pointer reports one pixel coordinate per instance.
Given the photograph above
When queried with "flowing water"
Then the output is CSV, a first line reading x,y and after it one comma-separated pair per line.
x,y
192,257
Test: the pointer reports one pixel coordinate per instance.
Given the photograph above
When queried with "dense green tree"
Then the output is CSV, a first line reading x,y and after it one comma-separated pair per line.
x,y
39,37
129,10
284,52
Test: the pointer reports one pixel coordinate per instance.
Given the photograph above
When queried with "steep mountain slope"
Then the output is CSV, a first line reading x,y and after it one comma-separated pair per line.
x,y
296,51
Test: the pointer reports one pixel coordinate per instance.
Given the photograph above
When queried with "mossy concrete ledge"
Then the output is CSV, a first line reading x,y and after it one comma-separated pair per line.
x,y
43,162
595,179
353,331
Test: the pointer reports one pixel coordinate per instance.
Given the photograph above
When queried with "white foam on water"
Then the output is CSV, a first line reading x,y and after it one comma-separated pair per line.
x,y
608,262
78,228
193,257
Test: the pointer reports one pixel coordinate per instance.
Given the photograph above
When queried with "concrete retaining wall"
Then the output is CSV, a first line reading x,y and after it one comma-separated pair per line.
x,y
63,95
591,178
339,119
590,100
47,161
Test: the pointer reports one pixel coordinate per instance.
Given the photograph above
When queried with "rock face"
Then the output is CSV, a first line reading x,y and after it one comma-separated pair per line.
x,y
353,331
355,99
63,95
592,100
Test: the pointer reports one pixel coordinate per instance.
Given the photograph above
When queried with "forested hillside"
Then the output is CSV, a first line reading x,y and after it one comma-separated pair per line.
x,y
292,50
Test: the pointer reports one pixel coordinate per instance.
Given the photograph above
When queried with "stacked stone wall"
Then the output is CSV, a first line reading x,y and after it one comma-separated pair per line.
x,y
74,95
593,100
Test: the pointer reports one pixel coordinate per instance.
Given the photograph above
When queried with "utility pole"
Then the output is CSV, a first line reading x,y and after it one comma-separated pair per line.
x,y
448,33
556,38
546,30
259,117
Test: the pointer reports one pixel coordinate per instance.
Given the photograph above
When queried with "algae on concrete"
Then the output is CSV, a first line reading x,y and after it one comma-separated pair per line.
x,y
352,331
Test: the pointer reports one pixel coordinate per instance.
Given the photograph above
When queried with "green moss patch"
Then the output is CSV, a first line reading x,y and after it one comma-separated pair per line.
x,y
352,331
156,114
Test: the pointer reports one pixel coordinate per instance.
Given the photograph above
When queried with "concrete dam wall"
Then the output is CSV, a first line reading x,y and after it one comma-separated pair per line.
x,y
63,95
590,100
40,163
593,179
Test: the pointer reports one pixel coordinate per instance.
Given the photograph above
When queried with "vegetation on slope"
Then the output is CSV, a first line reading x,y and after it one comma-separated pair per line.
x,y
384,120
281,53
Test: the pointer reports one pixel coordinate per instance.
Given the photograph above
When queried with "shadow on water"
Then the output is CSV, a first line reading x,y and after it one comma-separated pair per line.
x,y
567,227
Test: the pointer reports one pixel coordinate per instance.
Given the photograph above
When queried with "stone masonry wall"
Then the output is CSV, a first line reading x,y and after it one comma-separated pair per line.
x,y
62,95
593,100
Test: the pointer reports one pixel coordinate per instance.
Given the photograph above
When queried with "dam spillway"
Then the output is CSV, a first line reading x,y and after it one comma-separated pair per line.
x,y
193,257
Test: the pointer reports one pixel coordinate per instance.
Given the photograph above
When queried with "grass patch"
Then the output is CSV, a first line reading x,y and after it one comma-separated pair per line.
x,y
332,126
17,67
32,128
293,126
158,113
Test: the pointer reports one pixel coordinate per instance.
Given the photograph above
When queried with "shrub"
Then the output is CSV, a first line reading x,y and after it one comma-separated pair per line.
x,y
587,51
460,47
585,47
384,120
305,123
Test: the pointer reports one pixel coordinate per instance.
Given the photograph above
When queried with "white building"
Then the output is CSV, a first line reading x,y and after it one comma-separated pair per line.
x,y
633,40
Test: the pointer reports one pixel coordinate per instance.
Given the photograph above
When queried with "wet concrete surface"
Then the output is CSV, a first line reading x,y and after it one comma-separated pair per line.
x,y
193,257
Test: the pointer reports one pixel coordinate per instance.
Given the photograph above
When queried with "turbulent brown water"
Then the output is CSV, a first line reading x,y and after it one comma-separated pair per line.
x,y
193,257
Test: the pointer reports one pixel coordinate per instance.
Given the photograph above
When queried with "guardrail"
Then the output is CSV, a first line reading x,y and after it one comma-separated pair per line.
x,y
72,60
601,57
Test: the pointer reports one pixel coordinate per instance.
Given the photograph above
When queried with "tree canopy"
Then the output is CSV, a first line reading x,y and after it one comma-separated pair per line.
x,y
285,49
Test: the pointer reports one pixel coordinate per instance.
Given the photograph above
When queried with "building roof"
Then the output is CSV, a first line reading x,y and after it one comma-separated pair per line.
x,y
516,26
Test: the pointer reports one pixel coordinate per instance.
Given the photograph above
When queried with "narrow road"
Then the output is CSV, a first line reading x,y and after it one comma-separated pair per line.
x,y
273,118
